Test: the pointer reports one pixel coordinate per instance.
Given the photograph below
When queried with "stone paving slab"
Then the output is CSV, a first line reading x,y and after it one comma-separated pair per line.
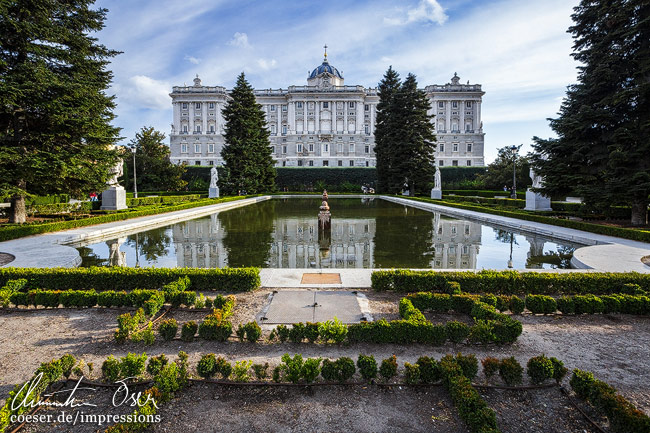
x,y
342,305
295,306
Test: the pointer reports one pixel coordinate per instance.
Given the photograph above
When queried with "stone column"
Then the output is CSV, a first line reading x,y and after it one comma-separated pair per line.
x,y
462,117
445,256
204,117
345,117
478,117
448,117
191,125
177,117
316,117
358,111
291,118
304,117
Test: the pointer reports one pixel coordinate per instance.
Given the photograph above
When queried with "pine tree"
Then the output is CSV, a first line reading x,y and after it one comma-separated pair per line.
x,y
602,152
384,127
413,139
55,132
247,153
154,170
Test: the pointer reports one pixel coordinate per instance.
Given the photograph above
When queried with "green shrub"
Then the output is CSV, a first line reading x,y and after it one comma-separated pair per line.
x,y
223,367
559,370
292,367
253,331
188,331
430,301
156,363
468,364
338,371
490,366
367,366
411,373
541,304
463,303
622,415
67,362
503,303
511,371
516,305
168,329
388,368
611,304
214,329
489,299
539,368
111,369
310,369
429,369
133,365
566,305
260,370
297,333
482,332
182,298
168,381
588,304
283,332
408,312
333,330
240,371
312,331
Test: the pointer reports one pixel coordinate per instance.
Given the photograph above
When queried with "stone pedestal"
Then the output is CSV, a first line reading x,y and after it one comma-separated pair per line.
x,y
536,201
436,194
114,198
213,193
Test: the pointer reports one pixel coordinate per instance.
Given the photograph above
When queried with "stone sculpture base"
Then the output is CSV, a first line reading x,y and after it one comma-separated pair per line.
x,y
536,201
213,193
114,198
436,194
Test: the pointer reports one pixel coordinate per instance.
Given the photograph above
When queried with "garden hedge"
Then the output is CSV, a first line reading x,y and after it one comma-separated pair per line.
x,y
510,282
14,231
633,234
166,199
118,278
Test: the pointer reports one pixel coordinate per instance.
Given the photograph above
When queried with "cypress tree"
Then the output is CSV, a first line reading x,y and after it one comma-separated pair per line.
x,y
413,139
247,153
384,127
55,132
602,152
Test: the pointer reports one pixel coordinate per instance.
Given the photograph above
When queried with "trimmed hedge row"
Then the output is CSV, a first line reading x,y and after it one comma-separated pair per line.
x,y
15,231
633,234
484,193
119,278
510,282
173,199
623,416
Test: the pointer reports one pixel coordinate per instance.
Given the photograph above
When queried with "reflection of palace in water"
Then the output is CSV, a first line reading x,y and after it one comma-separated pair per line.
x,y
295,243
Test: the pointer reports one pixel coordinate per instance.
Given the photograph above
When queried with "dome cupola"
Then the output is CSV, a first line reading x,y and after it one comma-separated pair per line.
x,y
325,74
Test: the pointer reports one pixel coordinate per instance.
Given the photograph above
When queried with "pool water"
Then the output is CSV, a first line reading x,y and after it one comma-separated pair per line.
x,y
365,233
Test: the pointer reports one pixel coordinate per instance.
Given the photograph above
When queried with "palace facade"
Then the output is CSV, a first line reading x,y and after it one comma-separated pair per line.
x,y
325,123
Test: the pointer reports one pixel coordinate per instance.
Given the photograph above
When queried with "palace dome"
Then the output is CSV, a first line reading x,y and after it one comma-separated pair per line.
x,y
325,67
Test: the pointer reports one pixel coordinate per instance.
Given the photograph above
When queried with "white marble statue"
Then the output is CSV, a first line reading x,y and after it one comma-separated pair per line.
x,y
437,184
537,179
214,177
116,172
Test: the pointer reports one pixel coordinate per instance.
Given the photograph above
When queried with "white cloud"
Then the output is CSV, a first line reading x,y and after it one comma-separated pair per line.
x,y
145,92
426,11
239,40
267,64
193,60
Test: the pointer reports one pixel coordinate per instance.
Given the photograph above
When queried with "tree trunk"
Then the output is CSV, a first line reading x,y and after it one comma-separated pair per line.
x,y
640,213
17,211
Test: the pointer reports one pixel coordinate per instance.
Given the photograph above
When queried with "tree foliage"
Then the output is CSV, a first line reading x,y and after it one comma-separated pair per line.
x,y
154,170
55,131
247,153
602,152
499,172
406,136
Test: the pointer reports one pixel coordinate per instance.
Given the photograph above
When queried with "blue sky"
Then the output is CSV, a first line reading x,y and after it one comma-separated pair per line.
x,y
519,51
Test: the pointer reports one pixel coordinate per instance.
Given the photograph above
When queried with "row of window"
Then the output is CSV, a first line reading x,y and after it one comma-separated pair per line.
x,y
197,105
324,105
299,148
326,163
454,127
454,147
454,104
197,129
454,163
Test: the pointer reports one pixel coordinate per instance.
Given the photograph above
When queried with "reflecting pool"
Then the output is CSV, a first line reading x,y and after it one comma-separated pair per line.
x,y
365,233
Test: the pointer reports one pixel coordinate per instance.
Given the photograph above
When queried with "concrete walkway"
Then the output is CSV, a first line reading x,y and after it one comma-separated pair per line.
x,y
52,250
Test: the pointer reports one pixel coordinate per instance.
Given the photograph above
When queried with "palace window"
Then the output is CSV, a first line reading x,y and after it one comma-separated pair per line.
x,y
212,128
367,164
454,163
340,148
441,163
441,147
197,162
351,163
184,148
468,104
298,104
211,105
185,129
284,149
351,104
299,147
273,129
326,163
311,147
367,149
210,147
300,163
469,163
340,163
326,147
284,129
311,105
326,105
469,147
367,129
198,129
311,163
284,108
455,149
210,162
441,104
272,107
351,147
468,127
197,106
197,148
454,104
366,107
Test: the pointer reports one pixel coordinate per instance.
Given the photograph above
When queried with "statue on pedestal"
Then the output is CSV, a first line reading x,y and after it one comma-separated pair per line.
x,y
214,188
535,200
436,192
114,197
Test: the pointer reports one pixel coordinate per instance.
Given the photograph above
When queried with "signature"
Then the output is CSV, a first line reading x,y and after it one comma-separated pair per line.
x,y
121,396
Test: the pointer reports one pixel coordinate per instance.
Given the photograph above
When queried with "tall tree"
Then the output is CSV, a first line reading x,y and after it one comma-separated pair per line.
x,y
413,139
384,127
499,172
154,170
55,131
603,147
247,153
